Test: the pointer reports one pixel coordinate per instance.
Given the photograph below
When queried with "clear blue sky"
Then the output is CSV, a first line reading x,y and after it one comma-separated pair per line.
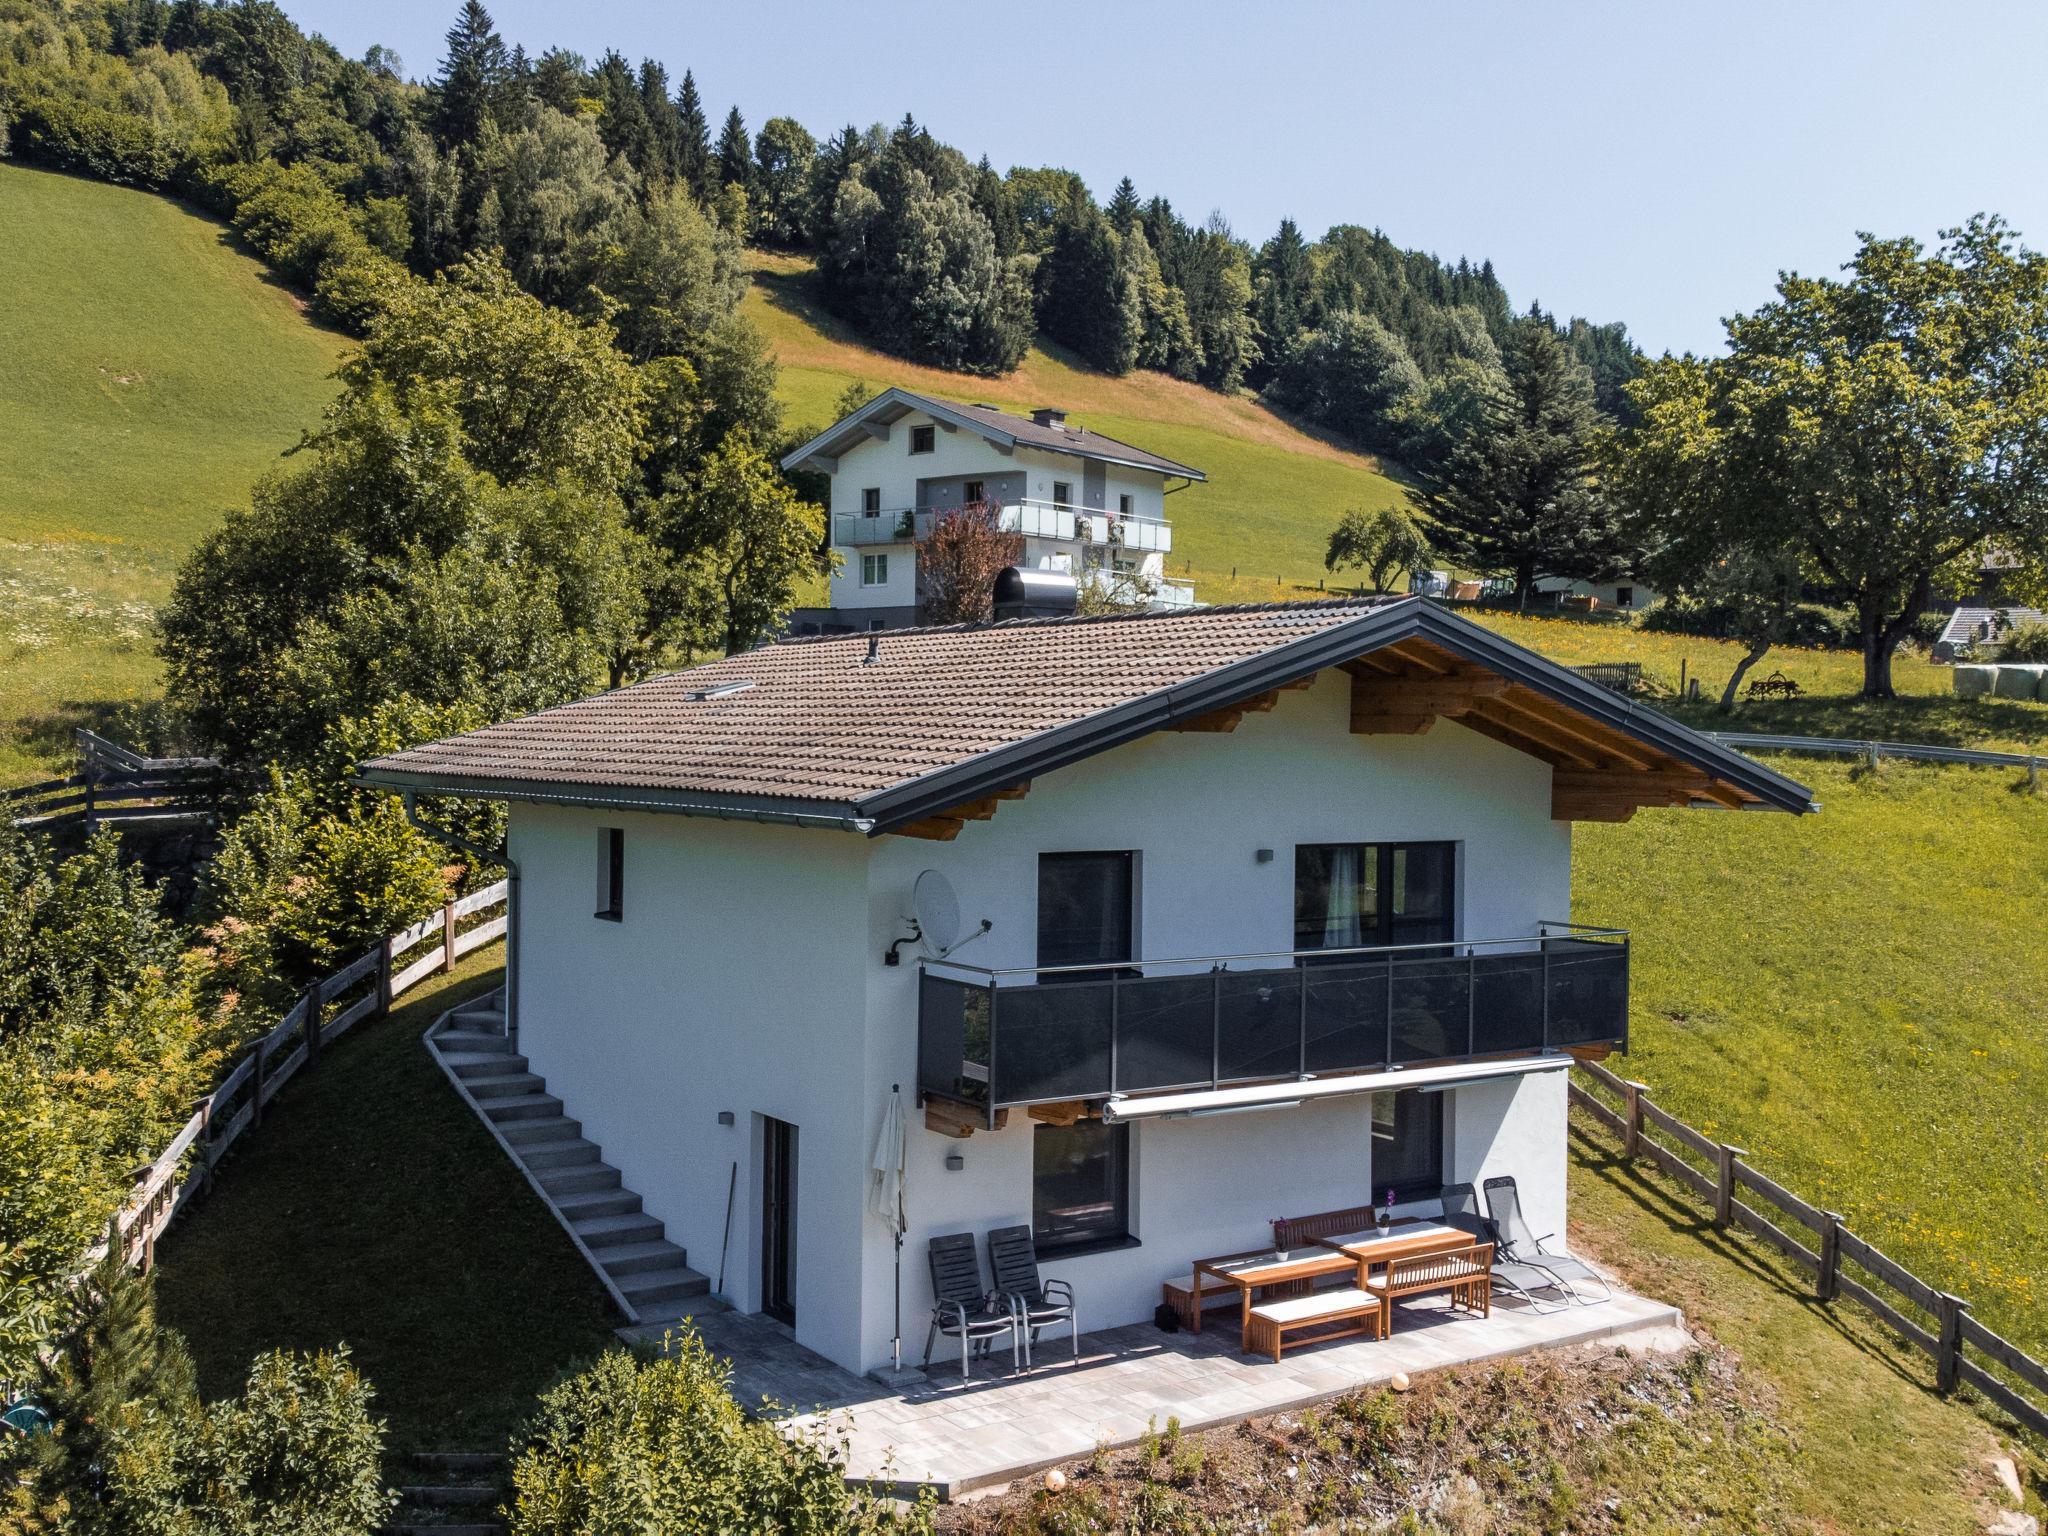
x,y
1655,163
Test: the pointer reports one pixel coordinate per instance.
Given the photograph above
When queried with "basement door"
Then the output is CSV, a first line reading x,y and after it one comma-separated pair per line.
x,y
778,1219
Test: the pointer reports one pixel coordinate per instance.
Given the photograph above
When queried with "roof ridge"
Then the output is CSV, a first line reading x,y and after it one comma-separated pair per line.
x,y
1273,605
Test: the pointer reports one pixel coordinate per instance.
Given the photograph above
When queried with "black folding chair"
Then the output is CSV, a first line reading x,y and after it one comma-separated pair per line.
x,y
1513,1237
962,1307
1514,1278
1039,1303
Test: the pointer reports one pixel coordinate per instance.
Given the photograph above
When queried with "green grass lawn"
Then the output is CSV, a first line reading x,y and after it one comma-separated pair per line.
x,y
1875,1450
149,372
1856,997
371,1208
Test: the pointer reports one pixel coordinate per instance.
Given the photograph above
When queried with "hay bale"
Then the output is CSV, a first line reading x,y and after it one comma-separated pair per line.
x,y
2018,680
1973,681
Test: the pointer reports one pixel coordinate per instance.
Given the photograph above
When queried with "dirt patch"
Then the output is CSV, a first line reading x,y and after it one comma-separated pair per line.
x,y
1590,1441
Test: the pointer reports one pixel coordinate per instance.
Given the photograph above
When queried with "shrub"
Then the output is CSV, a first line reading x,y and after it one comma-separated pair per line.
x,y
1811,625
662,1449
2025,643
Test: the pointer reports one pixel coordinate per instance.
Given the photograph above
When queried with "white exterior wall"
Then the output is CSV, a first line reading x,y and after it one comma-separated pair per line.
x,y
1198,806
731,984
890,467
748,976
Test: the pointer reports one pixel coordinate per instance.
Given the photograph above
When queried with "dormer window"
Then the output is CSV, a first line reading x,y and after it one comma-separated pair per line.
x,y
923,439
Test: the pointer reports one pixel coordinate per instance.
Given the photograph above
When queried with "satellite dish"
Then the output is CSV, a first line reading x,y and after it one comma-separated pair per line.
x,y
935,909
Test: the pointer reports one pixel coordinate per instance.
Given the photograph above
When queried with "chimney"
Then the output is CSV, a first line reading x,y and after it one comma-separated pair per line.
x,y
1050,416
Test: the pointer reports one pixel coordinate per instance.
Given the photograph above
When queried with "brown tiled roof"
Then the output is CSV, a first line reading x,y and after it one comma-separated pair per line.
x,y
822,722
1067,439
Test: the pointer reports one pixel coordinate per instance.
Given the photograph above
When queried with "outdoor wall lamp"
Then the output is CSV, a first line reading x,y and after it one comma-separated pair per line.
x,y
1264,856
955,1162
725,1117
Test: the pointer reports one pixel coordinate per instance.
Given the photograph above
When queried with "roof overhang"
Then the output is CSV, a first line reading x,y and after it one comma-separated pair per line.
x,y
761,808
893,404
1289,1094
1414,619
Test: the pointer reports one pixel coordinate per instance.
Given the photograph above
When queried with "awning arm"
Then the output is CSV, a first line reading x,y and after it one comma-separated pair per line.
x,y
1287,1094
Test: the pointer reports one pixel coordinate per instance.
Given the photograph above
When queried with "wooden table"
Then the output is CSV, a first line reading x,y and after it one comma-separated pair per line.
x,y
1405,1239
1263,1267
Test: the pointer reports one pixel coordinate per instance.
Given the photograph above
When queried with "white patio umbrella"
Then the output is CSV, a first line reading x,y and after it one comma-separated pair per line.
x,y
885,1197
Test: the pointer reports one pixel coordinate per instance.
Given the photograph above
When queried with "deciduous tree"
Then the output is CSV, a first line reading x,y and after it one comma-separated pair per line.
x,y
958,564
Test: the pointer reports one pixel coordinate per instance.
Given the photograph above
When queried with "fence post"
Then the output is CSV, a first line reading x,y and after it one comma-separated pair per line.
x,y
117,1247
1724,1182
447,935
1829,1284
205,1107
1948,1358
1632,1130
256,1083
384,959
312,1022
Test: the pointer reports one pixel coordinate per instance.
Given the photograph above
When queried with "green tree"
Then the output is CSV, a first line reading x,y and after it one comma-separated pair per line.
x,y
1352,374
1123,208
693,141
674,276
1879,430
1519,488
473,71
546,194
1088,299
736,154
1283,289
783,155
1385,544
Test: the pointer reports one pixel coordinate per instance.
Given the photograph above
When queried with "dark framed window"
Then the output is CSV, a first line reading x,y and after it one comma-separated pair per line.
x,y
1624,597
973,492
1123,505
1357,895
1085,909
1407,1144
923,439
871,500
1080,1186
1062,493
611,873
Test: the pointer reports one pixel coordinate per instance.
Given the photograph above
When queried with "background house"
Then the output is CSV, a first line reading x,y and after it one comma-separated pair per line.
x,y
1088,506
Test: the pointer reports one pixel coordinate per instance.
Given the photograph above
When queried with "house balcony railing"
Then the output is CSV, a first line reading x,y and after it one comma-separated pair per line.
x,y
998,1039
1034,519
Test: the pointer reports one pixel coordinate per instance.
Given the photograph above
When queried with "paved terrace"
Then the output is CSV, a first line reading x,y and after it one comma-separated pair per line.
x,y
1002,1425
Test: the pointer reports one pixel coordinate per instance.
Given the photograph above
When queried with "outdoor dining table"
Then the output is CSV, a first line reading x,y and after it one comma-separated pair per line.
x,y
1405,1239
1251,1271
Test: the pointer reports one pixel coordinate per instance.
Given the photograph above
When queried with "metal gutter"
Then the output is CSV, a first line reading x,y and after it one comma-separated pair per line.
x,y
604,797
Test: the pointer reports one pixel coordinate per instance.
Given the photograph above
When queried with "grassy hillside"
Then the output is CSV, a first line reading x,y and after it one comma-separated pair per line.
x,y
1274,491
149,372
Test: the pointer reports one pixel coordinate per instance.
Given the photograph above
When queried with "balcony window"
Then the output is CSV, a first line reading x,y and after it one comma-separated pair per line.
x,y
923,439
871,500
874,570
1354,895
1062,493
973,493
1407,1144
1084,908
1080,1186
1123,505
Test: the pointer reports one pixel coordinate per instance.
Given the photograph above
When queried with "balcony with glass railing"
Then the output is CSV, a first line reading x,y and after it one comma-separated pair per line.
x,y
1056,521
997,1039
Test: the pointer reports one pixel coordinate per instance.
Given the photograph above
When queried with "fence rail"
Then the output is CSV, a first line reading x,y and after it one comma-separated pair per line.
x,y
119,787
364,988
1873,750
1817,1241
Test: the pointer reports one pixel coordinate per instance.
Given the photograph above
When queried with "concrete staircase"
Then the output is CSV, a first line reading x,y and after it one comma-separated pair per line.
x,y
452,1493
647,1274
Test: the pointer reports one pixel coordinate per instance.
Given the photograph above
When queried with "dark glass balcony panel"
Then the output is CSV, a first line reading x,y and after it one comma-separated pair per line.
x,y
1166,1032
1052,1042
952,1038
1346,1020
1507,1003
1261,1023
1588,993
1431,1013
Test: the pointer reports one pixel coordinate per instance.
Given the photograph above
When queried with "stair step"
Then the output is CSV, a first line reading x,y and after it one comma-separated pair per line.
x,y
558,1128
482,1063
636,1258
578,1179
598,1202
480,1018
601,1232
662,1285
460,1461
543,1156
451,1495
459,1039
504,1085
529,1106
655,1316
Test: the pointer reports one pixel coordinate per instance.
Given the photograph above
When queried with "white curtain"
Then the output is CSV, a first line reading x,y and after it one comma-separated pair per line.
x,y
1343,925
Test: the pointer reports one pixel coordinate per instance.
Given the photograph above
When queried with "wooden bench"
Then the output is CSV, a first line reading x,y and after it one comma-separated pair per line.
x,y
1467,1273
1177,1295
1300,1231
1353,1310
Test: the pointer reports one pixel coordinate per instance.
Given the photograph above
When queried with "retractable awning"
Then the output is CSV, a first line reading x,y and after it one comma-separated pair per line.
x,y
1284,1095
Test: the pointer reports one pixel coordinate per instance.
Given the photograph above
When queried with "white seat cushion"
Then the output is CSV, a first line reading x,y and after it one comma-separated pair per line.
x,y
1302,1309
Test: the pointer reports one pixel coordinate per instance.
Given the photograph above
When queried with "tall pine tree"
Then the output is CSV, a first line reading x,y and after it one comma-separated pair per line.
x,y
1123,209
736,154
473,72
1284,289
693,142
1518,491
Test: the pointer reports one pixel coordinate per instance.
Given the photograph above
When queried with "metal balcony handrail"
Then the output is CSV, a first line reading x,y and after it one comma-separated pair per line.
x,y
1438,946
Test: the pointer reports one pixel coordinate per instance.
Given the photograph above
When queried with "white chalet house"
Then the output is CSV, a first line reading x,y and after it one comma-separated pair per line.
x,y
1263,911
1087,506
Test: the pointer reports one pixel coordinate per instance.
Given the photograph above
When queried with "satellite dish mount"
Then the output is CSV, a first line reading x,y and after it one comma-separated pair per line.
x,y
933,919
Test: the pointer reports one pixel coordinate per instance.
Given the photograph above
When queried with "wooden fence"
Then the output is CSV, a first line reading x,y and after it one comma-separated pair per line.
x,y
1931,1321
364,988
117,787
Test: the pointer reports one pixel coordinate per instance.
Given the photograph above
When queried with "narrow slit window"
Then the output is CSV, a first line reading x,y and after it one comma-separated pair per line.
x,y
611,873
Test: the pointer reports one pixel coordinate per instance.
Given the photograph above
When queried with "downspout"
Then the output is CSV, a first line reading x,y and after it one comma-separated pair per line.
x,y
502,856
